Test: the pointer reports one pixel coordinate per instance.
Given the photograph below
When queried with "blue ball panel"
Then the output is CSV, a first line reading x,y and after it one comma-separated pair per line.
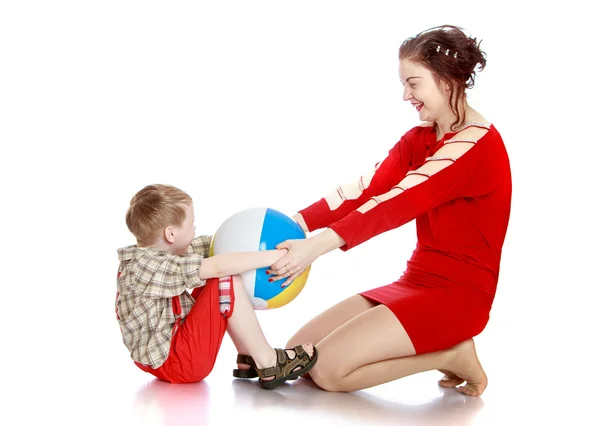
x,y
277,228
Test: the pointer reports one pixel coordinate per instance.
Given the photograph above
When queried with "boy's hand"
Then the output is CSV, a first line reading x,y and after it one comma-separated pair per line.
x,y
281,252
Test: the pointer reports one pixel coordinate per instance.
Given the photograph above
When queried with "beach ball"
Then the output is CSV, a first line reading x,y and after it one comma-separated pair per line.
x,y
260,229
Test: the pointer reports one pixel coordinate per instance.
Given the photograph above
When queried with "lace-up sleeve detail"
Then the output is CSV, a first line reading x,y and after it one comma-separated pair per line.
x,y
454,171
348,197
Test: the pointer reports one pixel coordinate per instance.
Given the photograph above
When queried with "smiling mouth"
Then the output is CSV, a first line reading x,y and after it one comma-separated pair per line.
x,y
418,106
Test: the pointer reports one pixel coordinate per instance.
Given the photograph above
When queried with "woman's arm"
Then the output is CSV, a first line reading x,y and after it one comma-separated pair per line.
x,y
300,221
350,196
465,167
442,178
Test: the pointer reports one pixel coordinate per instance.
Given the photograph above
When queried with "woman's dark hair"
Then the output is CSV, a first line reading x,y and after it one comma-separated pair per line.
x,y
452,57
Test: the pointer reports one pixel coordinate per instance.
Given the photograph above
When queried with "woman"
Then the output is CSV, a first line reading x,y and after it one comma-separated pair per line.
x,y
451,174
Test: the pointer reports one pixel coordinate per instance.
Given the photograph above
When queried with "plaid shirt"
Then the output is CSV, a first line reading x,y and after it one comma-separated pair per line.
x,y
147,281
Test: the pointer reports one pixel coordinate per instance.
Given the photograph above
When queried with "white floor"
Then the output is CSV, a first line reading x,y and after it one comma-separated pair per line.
x,y
530,392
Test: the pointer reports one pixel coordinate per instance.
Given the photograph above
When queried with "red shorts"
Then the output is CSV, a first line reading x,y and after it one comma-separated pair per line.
x,y
197,341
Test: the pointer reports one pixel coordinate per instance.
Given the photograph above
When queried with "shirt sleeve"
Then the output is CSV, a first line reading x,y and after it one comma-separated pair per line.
x,y
386,174
466,176
169,275
201,245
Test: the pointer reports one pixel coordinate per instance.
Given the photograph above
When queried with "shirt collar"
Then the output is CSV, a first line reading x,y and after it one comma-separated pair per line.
x,y
127,253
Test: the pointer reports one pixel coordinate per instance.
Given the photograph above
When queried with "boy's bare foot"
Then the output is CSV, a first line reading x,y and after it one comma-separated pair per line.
x,y
244,366
465,366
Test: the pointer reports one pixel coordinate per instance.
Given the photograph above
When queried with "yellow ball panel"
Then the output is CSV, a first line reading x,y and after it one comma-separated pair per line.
x,y
211,248
290,293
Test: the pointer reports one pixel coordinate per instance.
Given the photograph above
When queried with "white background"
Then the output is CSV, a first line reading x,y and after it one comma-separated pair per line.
x,y
247,104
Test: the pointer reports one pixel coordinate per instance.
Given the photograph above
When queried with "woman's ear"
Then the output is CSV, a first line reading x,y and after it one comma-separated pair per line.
x,y
169,234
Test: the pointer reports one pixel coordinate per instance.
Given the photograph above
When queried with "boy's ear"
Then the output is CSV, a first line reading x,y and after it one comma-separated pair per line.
x,y
170,234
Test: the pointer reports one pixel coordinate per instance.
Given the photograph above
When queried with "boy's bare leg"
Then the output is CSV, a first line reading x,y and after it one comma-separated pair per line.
x,y
247,335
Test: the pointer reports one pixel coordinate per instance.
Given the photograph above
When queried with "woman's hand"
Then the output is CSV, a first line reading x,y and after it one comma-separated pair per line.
x,y
301,253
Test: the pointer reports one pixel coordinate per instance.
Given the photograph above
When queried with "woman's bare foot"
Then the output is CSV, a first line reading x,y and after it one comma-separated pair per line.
x,y
465,366
450,380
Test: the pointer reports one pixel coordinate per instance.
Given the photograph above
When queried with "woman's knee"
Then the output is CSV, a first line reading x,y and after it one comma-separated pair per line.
x,y
326,376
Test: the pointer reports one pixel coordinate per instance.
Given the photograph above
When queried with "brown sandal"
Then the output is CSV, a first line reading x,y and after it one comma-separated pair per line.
x,y
245,373
286,367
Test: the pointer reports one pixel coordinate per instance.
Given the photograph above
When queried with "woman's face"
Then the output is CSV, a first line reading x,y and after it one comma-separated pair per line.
x,y
422,91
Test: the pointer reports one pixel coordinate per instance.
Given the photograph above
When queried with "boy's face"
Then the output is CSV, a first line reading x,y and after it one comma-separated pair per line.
x,y
185,233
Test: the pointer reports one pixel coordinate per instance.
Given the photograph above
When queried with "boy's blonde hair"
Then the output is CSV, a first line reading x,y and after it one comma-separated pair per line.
x,y
154,208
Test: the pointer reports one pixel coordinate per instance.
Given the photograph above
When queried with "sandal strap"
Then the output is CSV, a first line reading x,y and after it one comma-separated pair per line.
x,y
298,360
282,357
285,365
245,359
269,372
300,351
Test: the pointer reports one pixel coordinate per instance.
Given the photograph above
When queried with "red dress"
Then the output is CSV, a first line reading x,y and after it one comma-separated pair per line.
x,y
462,211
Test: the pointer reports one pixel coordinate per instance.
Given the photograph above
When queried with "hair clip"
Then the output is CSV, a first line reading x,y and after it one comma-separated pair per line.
x,y
446,51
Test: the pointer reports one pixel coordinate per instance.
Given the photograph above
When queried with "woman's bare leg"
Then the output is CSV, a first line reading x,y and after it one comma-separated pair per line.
x,y
373,348
319,327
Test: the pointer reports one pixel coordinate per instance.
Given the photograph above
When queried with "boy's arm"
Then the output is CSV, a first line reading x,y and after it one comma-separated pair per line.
x,y
224,264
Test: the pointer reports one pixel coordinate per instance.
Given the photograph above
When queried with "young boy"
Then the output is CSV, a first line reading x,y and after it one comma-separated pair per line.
x,y
175,335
